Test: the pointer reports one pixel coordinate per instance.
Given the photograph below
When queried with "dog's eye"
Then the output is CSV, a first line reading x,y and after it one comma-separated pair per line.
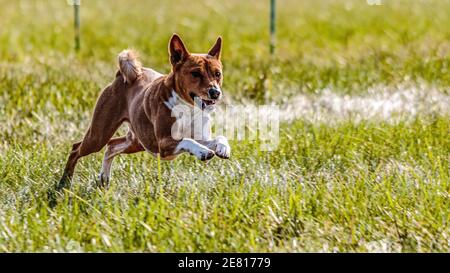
x,y
196,74
218,74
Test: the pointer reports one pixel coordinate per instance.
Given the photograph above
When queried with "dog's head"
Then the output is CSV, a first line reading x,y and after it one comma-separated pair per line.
x,y
197,77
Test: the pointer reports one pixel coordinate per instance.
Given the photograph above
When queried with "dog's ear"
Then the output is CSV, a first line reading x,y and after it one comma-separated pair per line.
x,y
216,49
177,50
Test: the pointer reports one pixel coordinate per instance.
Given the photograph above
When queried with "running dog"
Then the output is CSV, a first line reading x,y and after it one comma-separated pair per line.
x,y
144,99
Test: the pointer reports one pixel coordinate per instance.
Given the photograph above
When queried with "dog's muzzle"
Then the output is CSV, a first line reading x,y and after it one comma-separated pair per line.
x,y
213,97
214,93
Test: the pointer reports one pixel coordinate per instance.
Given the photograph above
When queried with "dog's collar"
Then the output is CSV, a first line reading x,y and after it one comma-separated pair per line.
x,y
175,100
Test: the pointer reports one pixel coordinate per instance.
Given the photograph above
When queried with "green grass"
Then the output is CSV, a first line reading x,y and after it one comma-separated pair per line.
x,y
347,186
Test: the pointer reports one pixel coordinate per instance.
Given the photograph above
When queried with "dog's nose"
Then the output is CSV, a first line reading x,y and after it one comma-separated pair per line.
x,y
213,93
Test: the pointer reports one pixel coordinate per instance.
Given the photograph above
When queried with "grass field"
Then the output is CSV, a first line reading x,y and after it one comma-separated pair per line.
x,y
363,159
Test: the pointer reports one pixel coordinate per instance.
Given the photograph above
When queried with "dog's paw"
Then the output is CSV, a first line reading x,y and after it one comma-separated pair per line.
x,y
103,181
202,152
223,150
205,154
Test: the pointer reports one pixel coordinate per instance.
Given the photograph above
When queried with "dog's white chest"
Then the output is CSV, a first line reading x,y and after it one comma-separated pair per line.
x,y
192,125
191,122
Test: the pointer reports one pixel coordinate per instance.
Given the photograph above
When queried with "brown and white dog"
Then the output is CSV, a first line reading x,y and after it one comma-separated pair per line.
x,y
144,99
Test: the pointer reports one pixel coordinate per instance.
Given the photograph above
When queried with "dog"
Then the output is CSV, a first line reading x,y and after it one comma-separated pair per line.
x,y
144,99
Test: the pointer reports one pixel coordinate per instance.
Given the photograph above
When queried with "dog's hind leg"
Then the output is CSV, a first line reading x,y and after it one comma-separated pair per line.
x,y
109,113
70,166
89,145
105,121
116,146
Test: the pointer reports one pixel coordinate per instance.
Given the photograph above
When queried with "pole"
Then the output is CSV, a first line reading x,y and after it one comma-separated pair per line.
x,y
272,26
76,6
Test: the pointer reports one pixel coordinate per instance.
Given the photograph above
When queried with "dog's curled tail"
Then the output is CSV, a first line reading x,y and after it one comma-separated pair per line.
x,y
129,66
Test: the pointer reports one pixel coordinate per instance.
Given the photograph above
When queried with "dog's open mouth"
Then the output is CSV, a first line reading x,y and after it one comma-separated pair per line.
x,y
202,103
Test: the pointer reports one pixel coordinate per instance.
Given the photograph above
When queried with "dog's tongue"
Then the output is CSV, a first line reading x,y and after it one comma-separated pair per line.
x,y
203,104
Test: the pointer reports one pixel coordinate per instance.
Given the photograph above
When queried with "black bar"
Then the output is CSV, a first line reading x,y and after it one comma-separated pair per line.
x,y
228,262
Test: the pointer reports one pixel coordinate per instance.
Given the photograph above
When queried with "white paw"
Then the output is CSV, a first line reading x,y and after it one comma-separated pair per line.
x,y
223,150
103,180
198,150
204,154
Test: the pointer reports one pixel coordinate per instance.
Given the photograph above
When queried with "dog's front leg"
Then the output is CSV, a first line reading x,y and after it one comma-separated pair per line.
x,y
219,145
189,145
